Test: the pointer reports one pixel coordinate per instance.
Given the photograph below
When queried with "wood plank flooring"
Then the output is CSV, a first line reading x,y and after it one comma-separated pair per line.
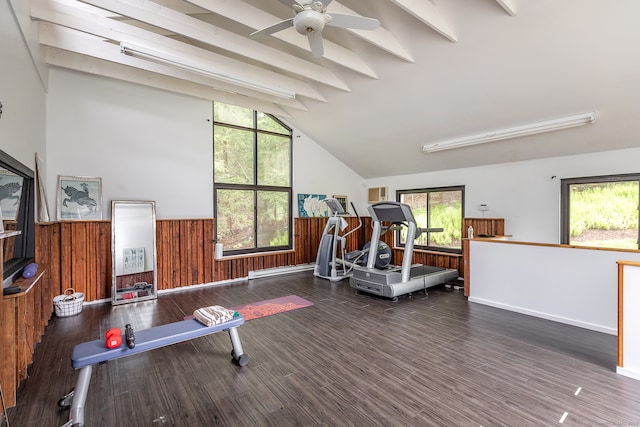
x,y
349,360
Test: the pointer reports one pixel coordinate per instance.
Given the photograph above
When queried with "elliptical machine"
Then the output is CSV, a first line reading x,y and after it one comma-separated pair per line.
x,y
327,259
328,264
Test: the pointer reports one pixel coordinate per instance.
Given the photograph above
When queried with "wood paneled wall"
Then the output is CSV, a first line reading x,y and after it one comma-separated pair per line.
x,y
308,232
185,252
78,253
78,256
23,317
487,226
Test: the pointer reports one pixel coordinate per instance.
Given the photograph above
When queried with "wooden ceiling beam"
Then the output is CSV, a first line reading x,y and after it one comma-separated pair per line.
x,y
257,19
67,16
75,41
157,15
428,13
104,68
508,6
382,38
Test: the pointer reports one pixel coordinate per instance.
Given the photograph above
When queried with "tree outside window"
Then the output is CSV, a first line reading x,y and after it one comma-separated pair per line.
x,y
436,208
252,180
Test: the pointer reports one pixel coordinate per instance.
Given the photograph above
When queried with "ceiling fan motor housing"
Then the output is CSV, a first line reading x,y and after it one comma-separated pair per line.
x,y
309,21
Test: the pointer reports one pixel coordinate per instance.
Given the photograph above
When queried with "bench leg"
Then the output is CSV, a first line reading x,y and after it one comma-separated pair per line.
x,y
237,353
76,414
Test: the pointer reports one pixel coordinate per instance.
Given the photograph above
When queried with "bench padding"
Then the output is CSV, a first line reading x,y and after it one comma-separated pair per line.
x,y
93,352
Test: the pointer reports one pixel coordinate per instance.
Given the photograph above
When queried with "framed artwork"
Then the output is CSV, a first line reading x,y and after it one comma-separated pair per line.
x,y
312,205
79,198
344,202
10,194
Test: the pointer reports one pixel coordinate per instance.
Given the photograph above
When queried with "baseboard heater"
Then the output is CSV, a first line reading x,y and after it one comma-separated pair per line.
x,y
267,272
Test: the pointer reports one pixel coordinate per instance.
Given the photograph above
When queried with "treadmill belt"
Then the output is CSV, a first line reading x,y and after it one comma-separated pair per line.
x,y
423,270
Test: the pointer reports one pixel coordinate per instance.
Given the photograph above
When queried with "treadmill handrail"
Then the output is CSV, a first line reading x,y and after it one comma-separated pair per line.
x,y
393,212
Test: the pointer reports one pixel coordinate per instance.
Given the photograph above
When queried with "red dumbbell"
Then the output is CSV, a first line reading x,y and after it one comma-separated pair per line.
x,y
114,338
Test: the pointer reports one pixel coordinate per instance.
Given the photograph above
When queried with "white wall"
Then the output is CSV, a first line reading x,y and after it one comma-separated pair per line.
x,y
526,194
145,144
148,144
315,171
22,125
629,333
577,286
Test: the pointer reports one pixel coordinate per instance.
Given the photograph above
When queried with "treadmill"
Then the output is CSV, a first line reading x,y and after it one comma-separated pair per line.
x,y
397,280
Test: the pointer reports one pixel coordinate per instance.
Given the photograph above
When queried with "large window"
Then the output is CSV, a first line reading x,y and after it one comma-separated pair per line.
x,y
601,211
252,180
435,208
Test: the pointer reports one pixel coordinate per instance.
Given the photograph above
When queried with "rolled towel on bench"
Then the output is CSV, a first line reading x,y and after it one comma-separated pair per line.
x,y
213,315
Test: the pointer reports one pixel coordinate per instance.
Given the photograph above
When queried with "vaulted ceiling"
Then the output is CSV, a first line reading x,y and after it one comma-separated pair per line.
x,y
433,70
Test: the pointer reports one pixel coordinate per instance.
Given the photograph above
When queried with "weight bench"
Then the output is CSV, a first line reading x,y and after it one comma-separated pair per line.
x,y
90,353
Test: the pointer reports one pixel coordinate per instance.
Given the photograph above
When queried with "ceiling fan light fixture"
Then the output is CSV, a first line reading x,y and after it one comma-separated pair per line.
x,y
308,21
512,132
168,59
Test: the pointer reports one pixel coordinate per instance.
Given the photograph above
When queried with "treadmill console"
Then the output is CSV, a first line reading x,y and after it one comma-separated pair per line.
x,y
391,212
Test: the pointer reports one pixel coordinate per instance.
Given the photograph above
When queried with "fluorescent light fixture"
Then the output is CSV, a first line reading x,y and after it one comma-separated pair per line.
x,y
165,58
514,132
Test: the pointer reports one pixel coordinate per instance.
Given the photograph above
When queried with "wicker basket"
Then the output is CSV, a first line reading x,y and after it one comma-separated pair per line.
x,y
69,303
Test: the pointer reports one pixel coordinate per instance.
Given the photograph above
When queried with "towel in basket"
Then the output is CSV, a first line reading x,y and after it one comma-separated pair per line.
x,y
69,303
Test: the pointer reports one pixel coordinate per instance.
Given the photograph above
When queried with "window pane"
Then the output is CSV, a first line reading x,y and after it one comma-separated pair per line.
x,y
234,222
418,203
436,209
233,155
273,218
266,122
252,179
274,160
604,214
445,211
232,114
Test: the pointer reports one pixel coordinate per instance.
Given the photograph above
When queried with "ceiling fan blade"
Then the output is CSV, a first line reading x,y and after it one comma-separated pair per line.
x,y
282,25
315,43
352,21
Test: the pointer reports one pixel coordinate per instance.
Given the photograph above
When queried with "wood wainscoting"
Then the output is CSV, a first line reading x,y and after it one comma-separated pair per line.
x,y
78,253
78,256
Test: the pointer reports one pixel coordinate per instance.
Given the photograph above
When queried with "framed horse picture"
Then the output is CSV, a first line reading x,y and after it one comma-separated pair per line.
x,y
79,198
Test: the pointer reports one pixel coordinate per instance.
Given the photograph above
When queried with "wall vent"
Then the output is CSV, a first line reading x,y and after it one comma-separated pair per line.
x,y
377,194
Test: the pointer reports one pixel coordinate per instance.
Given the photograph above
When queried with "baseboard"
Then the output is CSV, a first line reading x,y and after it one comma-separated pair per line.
x,y
631,373
547,316
252,275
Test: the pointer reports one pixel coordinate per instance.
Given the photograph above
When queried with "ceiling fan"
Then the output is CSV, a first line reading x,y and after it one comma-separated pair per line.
x,y
311,17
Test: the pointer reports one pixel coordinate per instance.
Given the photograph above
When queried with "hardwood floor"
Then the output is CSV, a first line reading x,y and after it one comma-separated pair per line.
x,y
349,360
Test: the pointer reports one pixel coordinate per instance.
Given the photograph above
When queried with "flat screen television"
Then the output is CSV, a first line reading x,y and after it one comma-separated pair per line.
x,y
17,213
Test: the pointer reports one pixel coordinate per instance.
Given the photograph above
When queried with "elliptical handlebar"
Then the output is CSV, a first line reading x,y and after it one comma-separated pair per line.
x,y
359,222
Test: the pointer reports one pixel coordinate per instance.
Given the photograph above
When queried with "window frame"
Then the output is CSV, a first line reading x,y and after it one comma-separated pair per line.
x,y
255,187
397,235
565,208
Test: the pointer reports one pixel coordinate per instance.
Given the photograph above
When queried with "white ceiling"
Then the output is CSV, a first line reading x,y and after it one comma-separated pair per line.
x,y
433,71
